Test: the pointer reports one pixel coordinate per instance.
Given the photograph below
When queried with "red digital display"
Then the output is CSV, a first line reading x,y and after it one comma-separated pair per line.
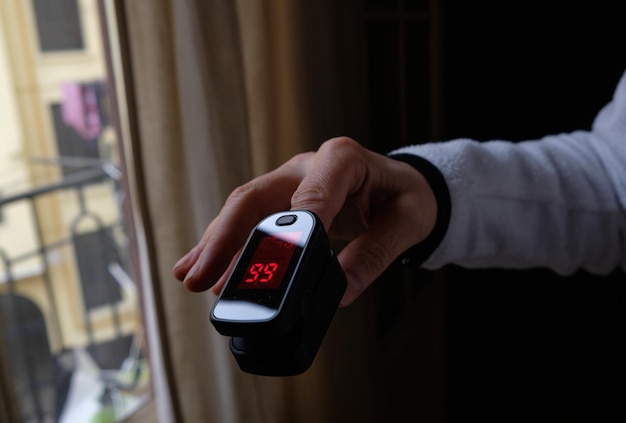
x,y
269,263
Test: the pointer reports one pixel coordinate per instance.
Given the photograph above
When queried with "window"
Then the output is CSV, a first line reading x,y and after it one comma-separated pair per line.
x,y
58,25
34,368
96,253
71,328
75,151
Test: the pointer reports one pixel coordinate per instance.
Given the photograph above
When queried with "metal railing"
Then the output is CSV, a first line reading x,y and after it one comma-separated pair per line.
x,y
37,335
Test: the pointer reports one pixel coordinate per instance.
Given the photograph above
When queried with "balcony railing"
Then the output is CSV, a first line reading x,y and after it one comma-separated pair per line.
x,y
68,305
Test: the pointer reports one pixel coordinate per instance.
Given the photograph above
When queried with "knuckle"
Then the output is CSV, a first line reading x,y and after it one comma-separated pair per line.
x,y
299,159
342,147
310,195
242,193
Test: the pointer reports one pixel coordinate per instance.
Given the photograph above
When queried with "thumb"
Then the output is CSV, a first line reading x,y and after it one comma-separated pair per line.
x,y
366,257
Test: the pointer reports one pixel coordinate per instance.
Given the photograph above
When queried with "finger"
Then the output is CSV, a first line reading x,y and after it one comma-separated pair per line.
x,y
219,285
205,264
182,266
337,170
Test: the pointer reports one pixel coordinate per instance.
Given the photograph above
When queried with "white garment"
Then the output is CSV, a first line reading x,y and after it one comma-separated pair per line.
x,y
558,202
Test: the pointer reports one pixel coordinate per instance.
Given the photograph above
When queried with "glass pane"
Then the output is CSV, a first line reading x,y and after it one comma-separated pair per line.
x,y
71,323
58,25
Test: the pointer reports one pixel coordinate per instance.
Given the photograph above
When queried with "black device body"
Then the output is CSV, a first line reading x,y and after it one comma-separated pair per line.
x,y
281,296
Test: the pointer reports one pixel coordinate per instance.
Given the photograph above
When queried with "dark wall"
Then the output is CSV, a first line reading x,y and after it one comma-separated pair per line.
x,y
528,345
518,345
521,69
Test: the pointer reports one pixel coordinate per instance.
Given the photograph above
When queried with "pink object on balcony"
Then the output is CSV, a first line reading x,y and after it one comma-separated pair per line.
x,y
81,110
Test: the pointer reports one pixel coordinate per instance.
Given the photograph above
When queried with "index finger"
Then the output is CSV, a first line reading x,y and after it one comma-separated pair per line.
x,y
205,264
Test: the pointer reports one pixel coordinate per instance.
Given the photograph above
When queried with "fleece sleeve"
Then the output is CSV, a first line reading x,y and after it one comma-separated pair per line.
x,y
558,202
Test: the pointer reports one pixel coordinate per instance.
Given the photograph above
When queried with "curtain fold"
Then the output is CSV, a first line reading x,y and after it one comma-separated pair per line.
x,y
224,91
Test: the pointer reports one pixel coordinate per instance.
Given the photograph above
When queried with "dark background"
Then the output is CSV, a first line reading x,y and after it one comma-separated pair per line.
x,y
519,345
530,345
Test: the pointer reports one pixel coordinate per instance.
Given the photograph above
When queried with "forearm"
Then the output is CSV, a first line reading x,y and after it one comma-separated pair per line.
x,y
548,203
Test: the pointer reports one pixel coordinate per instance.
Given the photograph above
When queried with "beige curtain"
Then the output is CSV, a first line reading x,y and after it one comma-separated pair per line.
x,y
221,91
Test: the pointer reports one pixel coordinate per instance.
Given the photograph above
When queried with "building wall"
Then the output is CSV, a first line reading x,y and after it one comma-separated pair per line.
x,y
30,83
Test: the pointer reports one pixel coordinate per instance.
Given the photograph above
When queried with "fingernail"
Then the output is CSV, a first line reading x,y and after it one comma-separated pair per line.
x,y
189,274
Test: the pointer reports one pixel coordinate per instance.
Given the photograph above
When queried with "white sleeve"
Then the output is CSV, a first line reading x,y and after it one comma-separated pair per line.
x,y
558,202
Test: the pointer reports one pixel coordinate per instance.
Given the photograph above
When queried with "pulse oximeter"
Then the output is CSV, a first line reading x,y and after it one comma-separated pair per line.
x,y
281,295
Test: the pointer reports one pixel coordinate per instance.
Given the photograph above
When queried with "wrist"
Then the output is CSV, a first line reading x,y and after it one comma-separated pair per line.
x,y
419,252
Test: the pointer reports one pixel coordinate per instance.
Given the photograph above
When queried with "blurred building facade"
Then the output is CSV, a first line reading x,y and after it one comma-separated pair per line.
x,y
65,273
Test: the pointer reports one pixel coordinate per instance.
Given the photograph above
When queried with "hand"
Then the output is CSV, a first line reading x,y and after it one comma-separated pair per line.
x,y
378,205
